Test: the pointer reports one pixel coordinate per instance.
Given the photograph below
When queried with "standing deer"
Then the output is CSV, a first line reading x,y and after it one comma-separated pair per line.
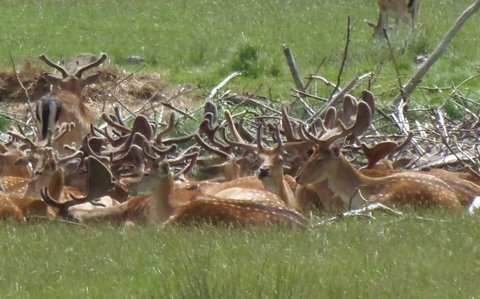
x,y
412,188
405,10
66,103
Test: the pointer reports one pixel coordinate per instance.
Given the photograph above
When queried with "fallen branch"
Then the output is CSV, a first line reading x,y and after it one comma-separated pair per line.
x,y
362,212
293,68
220,85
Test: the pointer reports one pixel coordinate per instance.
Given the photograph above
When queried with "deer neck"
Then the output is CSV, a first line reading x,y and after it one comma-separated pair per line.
x,y
276,184
346,181
231,170
41,181
160,207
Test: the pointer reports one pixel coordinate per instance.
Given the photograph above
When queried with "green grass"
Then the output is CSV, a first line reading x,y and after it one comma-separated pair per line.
x,y
202,41
385,258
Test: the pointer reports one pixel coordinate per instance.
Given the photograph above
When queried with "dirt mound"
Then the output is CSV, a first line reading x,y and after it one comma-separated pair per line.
x,y
139,92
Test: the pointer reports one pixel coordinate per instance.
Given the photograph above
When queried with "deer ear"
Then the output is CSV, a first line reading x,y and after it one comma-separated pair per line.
x,y
92,78
52,79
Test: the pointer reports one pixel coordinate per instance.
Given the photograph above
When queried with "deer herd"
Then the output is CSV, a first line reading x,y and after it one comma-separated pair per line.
x,y
279,174
135,173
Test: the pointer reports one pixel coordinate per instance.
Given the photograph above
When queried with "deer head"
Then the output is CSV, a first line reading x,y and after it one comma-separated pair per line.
x,y
72,82
325,159
271,166
66,104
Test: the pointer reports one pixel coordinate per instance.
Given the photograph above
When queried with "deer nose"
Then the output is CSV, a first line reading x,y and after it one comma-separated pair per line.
x,y
264,172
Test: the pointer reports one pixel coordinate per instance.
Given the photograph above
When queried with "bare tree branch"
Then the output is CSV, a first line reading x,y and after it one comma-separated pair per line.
x,y
417,78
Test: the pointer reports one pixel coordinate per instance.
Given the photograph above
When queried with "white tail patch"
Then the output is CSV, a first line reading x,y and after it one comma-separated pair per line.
x,y
474,206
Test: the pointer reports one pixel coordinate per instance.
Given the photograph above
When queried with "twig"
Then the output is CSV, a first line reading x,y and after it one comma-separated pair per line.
x,y
364,212
310,95
464,153
455,88
338,97
324,80
168,105
57,220
443,129
123,105
300,96
220,85
310,78
111,89
15,120
30,109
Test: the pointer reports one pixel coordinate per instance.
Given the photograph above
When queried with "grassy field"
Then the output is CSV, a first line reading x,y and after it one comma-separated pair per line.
x,y
385,258
201,42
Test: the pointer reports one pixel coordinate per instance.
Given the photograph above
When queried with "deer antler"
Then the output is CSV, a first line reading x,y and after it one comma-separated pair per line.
x,y
328,137
65,128
133,158
171,125
156,160
26,140
99,182
97,62
192,157
56,66
113,121
287,126
211,149
210,133
211,109
233,128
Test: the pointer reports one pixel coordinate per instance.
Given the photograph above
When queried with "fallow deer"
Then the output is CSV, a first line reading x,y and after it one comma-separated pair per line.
x,y
210,209
156,196
405,10
99,182
66,104
224,163
417,189
9,165
271,167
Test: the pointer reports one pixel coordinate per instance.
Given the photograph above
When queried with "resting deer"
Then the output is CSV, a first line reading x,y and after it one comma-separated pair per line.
x,y
403,188
243,210
9,165
405,10
224,163
155,201
99,183
66,104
